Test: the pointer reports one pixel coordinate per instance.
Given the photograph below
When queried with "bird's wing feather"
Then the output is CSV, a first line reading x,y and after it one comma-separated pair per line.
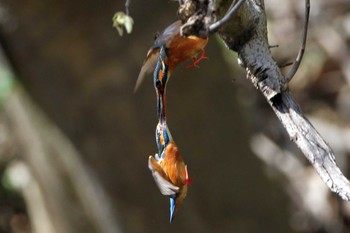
x,y
150,63
166,36
159,176
147,68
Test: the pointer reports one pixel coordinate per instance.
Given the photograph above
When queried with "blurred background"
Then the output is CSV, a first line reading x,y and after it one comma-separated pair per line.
x,y
75,139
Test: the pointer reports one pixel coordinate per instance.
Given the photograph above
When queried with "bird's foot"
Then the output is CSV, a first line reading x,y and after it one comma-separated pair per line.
x,y
197,60
188,180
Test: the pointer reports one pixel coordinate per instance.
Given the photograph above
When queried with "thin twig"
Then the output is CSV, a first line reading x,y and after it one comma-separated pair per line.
x,y
273,46
127,4
254,55
231,11
303,43
286,64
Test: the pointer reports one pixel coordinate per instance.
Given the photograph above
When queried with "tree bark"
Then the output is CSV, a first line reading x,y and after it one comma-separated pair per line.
x,y
246,34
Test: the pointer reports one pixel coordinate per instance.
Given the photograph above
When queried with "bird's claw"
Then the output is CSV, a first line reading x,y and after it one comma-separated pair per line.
x,y
197,60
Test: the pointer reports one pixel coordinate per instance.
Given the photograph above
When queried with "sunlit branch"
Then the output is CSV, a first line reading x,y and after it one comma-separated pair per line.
x,y
231,11
303,43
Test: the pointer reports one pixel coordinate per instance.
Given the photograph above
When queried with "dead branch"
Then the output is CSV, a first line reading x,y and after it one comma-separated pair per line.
x,y
300,55
246,33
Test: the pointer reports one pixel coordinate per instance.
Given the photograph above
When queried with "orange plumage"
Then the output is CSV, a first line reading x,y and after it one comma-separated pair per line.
x,y
180,49
168,169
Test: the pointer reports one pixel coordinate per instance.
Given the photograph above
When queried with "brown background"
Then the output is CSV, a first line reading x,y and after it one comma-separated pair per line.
x,y
82,73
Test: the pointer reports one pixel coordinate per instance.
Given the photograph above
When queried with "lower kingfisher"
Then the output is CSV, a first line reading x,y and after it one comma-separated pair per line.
x,y
180,48
168,169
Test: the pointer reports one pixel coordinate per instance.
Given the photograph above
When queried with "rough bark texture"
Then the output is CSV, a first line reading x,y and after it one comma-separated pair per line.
x,y
252,47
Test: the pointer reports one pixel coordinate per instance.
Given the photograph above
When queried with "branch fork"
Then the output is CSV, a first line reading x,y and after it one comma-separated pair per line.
x,y
246,33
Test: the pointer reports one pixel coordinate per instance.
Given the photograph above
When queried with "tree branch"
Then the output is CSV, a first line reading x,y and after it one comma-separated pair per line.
x,y
262,70
300,55
246,33
316,150
227,16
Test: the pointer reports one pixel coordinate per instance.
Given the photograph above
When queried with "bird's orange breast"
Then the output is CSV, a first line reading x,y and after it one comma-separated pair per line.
x,y
174,165
184,48
175,168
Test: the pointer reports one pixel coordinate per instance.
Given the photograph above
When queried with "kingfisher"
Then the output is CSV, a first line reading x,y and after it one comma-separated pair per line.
x,y
169,169
180,48
167,166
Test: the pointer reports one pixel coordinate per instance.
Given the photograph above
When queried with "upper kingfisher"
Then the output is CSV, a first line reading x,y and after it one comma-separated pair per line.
x,y
180,48
168,168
